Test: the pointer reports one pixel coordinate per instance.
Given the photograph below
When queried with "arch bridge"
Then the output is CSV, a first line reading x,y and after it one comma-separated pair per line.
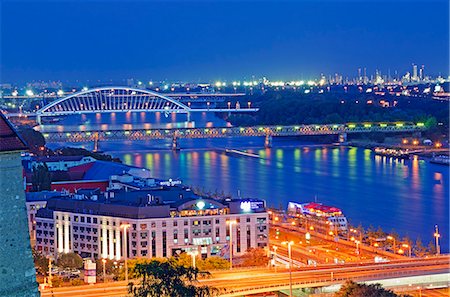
x,y
122,99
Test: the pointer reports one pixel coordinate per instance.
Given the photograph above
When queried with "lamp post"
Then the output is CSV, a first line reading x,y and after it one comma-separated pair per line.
x,y
274,257
392,238
408,246
231,223
289,244
193,255
125,227
50,272
104,269
357,247
436,236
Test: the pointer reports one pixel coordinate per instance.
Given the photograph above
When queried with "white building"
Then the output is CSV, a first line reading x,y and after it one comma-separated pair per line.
x,y
162,222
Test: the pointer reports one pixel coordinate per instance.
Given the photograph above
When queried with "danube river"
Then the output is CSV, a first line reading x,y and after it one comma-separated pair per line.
x,y
408,196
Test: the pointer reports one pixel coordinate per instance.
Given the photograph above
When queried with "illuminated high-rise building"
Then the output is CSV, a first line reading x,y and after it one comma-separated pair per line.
x,y
414,73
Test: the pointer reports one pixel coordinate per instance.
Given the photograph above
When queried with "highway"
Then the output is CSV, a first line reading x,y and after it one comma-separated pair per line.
x,y
232,283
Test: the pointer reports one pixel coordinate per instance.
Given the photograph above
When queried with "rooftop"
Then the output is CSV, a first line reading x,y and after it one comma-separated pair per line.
x,y
10,140
156,203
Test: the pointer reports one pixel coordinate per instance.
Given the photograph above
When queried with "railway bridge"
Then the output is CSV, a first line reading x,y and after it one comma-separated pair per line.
x,y
80,134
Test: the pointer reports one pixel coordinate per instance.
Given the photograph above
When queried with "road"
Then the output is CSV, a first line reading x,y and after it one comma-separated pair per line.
x,y
322,248
242,280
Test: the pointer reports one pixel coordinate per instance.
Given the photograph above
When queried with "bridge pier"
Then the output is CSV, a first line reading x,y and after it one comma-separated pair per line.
x,y
342,137
175,145
96,142
38,119
268,141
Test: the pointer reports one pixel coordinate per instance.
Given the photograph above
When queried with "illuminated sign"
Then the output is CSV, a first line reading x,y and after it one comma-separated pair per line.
x,y
247,206
200,204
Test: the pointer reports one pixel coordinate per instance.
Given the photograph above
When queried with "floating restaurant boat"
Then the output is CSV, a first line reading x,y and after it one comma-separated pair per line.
x,y
393,153
319,212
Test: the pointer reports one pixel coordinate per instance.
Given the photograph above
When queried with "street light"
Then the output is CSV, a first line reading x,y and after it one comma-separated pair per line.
x,y
357,246
231,223
437,235
274,257
193,254
104,269
393,239
409,249
125,227
289,244
50,272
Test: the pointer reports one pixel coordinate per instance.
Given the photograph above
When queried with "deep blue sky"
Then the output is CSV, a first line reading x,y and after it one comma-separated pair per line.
x,y
211,40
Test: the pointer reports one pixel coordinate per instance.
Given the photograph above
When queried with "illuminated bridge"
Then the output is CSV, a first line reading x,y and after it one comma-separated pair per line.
x,y
79,135
124,99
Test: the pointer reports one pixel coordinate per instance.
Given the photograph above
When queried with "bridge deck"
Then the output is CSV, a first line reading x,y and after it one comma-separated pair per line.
x,y
81,135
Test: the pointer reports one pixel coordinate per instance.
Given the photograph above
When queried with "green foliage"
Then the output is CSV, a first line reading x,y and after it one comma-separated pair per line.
x,y
352,289
40,178
168,278
213,263
40,262
292,108
70,260
57,281
77,282
110,267
255,257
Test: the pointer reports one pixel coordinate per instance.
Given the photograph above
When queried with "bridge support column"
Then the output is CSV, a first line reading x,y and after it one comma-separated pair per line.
x,y
175,146
268,141
342,137
38,119
96,141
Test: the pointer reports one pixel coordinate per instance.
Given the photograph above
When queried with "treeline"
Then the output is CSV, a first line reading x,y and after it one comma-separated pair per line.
x,y
293,108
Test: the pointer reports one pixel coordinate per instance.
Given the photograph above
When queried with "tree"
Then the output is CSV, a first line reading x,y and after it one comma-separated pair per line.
x,y
419,249
40,178
352,289
70,260
40,262
167,278
33,138
111,267
255,257
213,263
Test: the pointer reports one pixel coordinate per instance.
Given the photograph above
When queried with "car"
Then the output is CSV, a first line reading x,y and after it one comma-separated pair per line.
x,y
75,271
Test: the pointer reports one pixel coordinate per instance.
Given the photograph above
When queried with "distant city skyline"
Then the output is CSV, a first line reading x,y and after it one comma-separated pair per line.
x,y
225,40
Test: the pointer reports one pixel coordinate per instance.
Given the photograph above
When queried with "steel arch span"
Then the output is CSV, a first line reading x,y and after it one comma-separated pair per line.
x,y
113,99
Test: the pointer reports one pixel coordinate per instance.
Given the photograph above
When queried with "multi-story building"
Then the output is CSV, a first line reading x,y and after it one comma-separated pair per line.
x,y
157,222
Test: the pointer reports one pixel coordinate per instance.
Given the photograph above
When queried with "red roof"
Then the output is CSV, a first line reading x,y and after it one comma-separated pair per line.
x,y
322,208
9,139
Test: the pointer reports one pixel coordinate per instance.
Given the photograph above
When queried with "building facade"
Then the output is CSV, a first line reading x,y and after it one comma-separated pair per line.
x,y
17,273
158,223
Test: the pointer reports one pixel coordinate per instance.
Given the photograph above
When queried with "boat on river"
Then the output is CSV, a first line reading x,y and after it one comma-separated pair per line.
x,y
392,153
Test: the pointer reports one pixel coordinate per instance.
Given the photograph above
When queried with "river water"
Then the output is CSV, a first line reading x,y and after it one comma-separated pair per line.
x,y
408,196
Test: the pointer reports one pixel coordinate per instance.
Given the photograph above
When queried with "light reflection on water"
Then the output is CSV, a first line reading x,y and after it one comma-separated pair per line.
x,y
408,196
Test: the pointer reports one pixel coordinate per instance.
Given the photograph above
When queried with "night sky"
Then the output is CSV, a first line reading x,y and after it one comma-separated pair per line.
x,y
219,40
